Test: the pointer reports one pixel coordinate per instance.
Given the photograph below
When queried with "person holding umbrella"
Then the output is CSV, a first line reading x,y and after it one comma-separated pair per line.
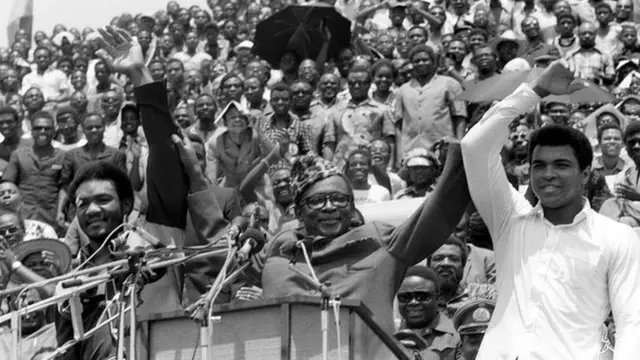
x,y
297,32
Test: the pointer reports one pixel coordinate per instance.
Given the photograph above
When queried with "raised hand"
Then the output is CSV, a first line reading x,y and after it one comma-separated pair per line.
x,y
119,50
186,151
7,256
558,79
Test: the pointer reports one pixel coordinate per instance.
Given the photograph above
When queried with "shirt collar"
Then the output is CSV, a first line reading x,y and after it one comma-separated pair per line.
x,y
538,212
367,102
598,164
438,326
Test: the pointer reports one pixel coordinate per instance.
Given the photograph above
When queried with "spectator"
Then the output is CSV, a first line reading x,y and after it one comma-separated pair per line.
x,y
567,42
589,62
282,120
426,107
205,111
52,82
423,170
36,170
235,150
357,169
418,307
608,33
68,136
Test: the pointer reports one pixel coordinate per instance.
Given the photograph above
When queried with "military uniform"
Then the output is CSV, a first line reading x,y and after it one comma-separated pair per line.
x,y
470,320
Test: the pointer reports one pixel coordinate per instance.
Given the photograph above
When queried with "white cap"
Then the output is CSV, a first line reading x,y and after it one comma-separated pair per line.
x,y
244,45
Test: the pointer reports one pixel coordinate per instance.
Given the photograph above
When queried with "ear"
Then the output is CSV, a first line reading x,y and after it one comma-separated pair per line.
x,y
127,207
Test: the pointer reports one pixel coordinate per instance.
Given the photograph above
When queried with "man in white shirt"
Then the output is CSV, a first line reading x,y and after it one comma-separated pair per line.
x,y
561,267
52,82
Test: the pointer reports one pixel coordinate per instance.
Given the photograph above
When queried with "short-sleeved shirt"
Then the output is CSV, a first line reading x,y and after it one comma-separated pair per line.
x,y
426,111
359,124
300,134
588,62
52,83
192,62
39,181
323,134
74,159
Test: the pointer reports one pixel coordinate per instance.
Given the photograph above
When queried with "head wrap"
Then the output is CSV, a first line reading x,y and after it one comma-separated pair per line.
x,y
280,165
308,170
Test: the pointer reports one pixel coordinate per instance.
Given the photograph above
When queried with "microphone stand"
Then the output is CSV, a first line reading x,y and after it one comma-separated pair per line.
x,y
79,286
323,289
130,288
201,310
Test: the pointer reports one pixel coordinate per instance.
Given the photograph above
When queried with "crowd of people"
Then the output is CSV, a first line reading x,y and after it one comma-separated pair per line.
x,y
172,122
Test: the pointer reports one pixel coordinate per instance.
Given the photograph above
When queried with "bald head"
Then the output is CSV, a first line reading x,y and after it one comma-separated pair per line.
x,y
587,35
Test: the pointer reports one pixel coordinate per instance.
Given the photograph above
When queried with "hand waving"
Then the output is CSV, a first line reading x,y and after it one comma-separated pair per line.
x,y
119,50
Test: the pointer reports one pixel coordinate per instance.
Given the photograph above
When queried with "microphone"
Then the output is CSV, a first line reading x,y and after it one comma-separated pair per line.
x,y
250,242
126,241
238,225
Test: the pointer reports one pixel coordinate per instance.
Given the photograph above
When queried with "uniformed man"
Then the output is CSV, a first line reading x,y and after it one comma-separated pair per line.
x,y
471,322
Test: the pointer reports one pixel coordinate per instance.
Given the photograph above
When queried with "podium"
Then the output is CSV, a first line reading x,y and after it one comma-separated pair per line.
x,y
276,329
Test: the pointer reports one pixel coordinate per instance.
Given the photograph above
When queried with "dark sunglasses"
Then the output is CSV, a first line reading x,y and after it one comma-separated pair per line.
x,y
406,297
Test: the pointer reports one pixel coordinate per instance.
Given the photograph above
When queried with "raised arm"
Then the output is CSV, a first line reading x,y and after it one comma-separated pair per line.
x,y
490,190
167,186
428,228
496,200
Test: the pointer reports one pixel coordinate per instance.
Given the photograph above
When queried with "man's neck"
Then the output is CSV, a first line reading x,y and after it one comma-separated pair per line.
x,y
533,42
424,79
109,119
41,71
71,139
43,150
563,215
361,184
485,73
206,124
102,87
328,101
281,121
191,52
94,148
610,162
300,112
359,101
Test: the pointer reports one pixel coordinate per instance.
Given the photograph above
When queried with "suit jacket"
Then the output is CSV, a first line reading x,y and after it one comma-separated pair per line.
x,y
480,266
198,274
369,262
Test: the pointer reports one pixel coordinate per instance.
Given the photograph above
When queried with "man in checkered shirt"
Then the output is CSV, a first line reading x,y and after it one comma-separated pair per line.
x,y
588,62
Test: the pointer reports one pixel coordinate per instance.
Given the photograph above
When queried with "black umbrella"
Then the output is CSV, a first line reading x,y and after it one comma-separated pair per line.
x,y
298,28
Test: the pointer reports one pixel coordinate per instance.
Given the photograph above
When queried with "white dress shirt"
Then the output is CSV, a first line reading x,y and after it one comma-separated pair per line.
x,y
556,284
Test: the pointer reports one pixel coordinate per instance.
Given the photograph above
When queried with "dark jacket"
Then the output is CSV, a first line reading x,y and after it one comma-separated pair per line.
x,y
369,262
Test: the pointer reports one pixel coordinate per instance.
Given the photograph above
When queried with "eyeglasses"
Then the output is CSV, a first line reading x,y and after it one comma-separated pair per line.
x,y
317,202
9,230
406,297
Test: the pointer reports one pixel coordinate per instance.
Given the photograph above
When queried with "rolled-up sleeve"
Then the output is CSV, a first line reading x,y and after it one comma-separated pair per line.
x,y
167,186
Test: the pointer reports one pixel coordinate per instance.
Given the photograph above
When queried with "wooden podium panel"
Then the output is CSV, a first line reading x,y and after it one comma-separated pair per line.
x,y
276,329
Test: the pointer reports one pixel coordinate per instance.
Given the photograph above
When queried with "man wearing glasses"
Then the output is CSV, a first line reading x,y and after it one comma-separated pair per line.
x,y
364,262
418,307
